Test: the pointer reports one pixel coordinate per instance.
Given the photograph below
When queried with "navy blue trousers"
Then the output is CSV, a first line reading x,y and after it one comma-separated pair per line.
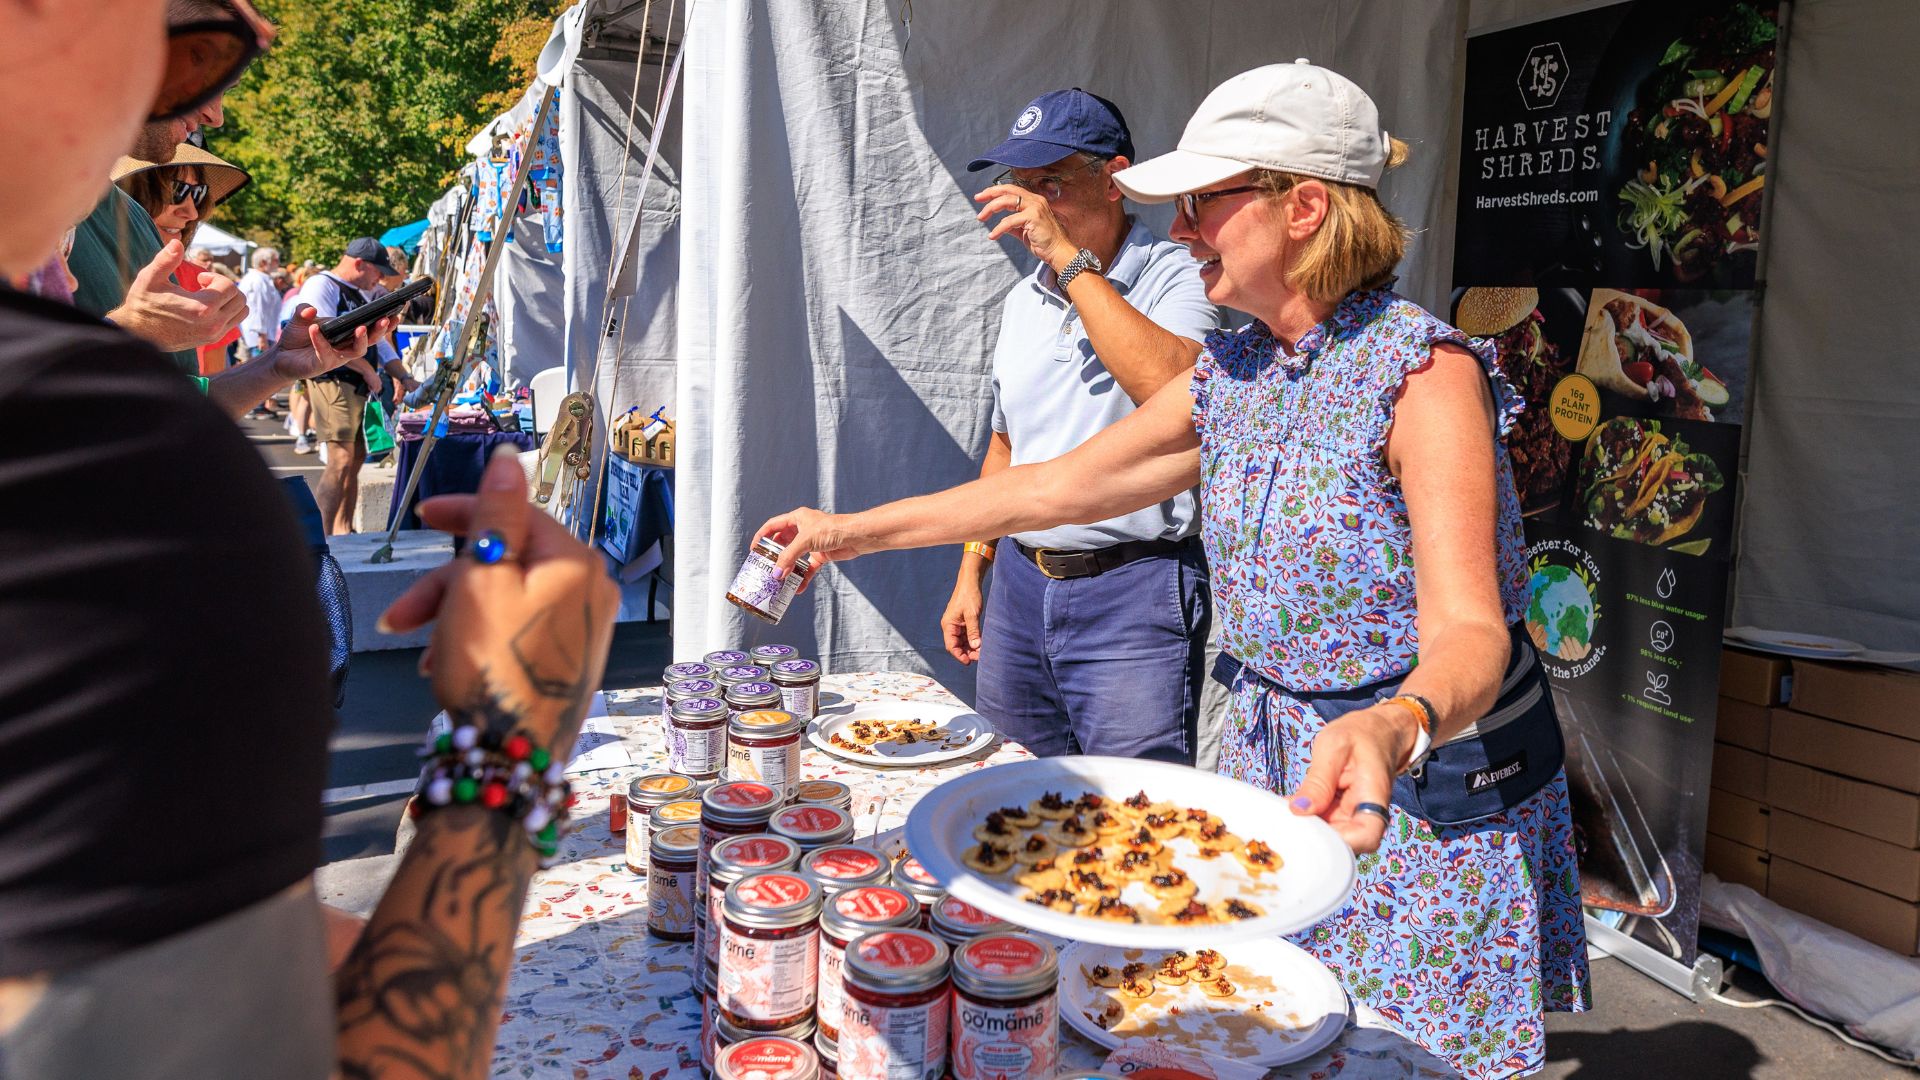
x,y
1110,664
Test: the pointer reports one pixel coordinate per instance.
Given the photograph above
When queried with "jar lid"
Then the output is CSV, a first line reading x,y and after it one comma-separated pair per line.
x,y
667,815
767,1057
954,917
1005,964
739,802
697,708
731,859
720,658
765,723
831,792
829,1050
773,901
896,960
812,824
656,789
679,841
796,671
870,907
753,693
690,670
735,674
769,655
844,866
690,688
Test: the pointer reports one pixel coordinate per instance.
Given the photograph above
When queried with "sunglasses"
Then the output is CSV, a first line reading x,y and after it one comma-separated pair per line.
x,y
183,190
206,57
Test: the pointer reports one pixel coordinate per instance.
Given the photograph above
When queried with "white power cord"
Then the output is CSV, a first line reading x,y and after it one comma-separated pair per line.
x,y
1835,1030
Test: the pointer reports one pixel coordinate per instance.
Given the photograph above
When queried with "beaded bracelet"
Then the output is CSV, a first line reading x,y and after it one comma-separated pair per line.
x,y
468,766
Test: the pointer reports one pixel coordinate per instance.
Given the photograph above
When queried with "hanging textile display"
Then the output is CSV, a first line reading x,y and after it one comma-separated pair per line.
x,y
546,180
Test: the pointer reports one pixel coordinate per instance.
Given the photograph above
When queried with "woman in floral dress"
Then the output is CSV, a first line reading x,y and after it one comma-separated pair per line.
x,y
1340,438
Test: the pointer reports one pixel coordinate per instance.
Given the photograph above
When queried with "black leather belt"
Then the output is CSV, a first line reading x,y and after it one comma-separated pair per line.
x,y
1062,565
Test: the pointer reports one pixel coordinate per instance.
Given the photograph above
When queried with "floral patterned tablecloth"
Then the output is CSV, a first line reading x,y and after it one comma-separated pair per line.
x,y
593,997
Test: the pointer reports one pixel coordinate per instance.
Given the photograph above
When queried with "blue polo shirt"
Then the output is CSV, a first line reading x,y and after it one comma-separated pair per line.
x,y
1051,393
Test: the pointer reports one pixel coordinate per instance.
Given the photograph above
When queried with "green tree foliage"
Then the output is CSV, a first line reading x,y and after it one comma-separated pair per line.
x,y
358,118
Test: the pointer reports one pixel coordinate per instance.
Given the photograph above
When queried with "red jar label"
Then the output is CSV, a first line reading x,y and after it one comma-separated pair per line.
x,y
775,890
961,913
766,1059
743,795
899,951
873,904
811,820
840,863
991,1041
753,851
913,871
895,1043
1004,955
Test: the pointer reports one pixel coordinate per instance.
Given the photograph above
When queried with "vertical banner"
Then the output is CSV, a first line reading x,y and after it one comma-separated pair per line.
x,y
1613,164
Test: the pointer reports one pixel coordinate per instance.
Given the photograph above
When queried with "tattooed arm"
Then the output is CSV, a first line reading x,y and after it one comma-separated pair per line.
x,y
519,648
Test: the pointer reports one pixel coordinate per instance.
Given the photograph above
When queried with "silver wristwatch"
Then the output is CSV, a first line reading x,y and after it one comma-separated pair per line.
x,y
1082,260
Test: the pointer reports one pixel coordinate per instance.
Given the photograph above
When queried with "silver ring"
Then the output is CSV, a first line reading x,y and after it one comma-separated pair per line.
x,y
1017,200
1375,809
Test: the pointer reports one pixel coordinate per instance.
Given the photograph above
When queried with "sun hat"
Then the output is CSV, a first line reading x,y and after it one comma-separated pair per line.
x,y
1295,118
1059,123
222,177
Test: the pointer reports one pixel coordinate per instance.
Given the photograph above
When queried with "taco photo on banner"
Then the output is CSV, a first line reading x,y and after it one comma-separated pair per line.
x,y
1643,484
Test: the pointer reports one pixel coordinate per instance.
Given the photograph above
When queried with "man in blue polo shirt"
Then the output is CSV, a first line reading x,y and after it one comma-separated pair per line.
x,y
1094,636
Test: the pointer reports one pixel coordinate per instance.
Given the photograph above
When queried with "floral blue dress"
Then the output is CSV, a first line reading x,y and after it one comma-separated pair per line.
x,y
1463,936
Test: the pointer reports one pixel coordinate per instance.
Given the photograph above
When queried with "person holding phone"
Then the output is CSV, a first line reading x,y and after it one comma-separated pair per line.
x,y
339,397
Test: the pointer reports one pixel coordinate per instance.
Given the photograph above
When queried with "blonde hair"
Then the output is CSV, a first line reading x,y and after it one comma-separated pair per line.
x,y
1359,243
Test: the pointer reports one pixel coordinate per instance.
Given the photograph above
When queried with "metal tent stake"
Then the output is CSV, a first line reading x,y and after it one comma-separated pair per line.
x,y
481,290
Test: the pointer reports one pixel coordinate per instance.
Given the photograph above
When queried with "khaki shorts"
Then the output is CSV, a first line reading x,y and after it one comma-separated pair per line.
x,y
339,411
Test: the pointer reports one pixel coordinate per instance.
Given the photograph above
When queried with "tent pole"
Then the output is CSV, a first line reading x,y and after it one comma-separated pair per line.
x,y
482,292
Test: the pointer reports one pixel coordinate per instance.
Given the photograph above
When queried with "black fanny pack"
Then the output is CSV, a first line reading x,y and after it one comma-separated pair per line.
x,y
1493,766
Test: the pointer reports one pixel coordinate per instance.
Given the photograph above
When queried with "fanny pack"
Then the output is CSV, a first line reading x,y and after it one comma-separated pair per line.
x,y
1494,765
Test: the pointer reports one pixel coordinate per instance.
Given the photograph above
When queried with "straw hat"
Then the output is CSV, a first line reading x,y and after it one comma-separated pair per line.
x,y
222,177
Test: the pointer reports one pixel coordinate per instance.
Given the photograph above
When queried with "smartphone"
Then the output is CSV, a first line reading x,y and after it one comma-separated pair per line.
x,y
339,329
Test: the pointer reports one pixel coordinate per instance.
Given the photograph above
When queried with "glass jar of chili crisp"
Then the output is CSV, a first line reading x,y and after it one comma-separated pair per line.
x,y
912,878
799,683
1006,1010
957,922
897,1010
769,951
735,808
735,858
764,745
845,867
846,916
670,880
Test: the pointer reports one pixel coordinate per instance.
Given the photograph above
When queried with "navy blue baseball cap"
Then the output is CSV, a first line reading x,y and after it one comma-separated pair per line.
x,y
367,249
1059,123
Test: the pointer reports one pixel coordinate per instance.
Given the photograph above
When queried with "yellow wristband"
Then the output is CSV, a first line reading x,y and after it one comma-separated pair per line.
x,y
983,550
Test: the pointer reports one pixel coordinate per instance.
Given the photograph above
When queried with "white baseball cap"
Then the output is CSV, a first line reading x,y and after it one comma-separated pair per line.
x,y
1296,118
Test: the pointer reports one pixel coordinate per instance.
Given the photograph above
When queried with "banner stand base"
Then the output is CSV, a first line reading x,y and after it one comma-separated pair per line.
x,y
1697,983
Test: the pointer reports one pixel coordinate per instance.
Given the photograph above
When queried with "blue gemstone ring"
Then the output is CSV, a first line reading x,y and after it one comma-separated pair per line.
x,y
488,548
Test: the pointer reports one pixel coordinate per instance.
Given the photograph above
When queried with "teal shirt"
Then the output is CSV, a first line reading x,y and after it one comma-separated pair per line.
x,y
113,244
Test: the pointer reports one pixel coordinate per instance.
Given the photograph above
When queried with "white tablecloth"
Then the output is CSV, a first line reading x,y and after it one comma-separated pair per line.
x,y
593,997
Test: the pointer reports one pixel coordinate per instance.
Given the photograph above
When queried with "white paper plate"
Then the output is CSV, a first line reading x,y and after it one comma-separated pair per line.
x,y
1315,876
1289,1006
1790,643
968,732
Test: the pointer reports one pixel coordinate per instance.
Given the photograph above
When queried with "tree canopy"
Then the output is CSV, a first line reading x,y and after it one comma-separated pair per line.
x,y
358,118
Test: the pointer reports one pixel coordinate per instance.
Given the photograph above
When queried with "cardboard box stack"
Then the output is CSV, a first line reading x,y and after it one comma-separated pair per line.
x,y
1832,829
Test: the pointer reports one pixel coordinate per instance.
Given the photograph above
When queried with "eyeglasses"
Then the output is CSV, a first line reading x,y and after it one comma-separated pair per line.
x,y
1048,187
183,190
1190,203
206,57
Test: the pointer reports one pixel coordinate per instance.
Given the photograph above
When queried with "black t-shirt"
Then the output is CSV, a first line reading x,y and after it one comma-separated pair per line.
x,y
163,659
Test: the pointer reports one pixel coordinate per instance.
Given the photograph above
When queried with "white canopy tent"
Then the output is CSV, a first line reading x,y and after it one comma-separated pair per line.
x,y
219,241
823,332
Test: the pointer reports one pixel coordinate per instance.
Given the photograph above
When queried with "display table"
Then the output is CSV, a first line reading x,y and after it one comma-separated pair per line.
x,y
453,468
592,996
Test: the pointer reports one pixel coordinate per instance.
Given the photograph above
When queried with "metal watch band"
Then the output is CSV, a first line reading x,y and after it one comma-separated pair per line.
x,y
1082,260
